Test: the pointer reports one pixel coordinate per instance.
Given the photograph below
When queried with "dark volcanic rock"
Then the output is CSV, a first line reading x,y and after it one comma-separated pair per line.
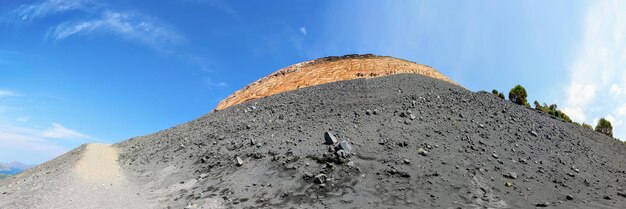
x,y
329,138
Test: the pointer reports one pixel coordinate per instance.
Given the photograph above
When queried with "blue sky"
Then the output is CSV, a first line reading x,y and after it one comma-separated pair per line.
x,y
79,71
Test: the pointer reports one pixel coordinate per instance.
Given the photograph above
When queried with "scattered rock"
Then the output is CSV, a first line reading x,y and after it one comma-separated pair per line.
x,y
569,197
510,175
508,184
329,138
252,142
422,152
495,156
239,161
345,147
307,175
320,179
534,133
543,204
406,161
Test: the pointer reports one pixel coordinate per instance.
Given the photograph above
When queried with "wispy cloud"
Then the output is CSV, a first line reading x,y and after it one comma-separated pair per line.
x,y
598,67
133,27
58,131
6,93
97,17
303,30
211,84
49,7
41,145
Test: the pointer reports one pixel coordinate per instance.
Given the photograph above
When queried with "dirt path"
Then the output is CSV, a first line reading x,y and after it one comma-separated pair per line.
x,y
97,181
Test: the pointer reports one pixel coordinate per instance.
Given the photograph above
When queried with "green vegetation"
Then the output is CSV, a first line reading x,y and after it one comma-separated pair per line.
x,y
497,94
605,127
518,96
552,110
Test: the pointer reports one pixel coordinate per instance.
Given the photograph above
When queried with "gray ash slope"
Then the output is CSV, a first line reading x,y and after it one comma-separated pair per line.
x,y
481,152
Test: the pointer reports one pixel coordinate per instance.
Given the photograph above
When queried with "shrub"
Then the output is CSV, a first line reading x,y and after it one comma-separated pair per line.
x,y
497,94
552,110
587,126
604,126
518,96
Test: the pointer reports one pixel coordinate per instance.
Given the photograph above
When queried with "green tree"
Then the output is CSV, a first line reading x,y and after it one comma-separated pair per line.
x,y
604,126
518,96
497,94
587,126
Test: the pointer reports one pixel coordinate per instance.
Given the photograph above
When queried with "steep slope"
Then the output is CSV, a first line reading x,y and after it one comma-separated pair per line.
x,y
414,142
327,70
482,152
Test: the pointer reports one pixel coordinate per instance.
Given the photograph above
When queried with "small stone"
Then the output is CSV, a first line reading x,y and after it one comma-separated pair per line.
x,y
341,154
252,142
569,197
320,179
375,112
495,156
607,197
508,184
422,152
329,138
345,147
511,175
239,161
307,175
533,133
368,112
406,161
543,204
350,164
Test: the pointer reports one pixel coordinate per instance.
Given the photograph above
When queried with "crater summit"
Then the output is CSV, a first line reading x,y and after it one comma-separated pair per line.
x,y
327,70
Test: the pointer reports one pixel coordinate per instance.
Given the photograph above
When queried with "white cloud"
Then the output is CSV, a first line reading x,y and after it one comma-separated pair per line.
x,y
575,114
132,27
30,145
50,7
615,90
97,17
303,30
598,67
580,95
614,122
210,83
23,119
58,131
621,111
6,93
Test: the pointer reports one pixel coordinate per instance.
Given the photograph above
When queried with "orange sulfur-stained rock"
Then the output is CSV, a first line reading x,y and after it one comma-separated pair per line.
x,y
327,70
